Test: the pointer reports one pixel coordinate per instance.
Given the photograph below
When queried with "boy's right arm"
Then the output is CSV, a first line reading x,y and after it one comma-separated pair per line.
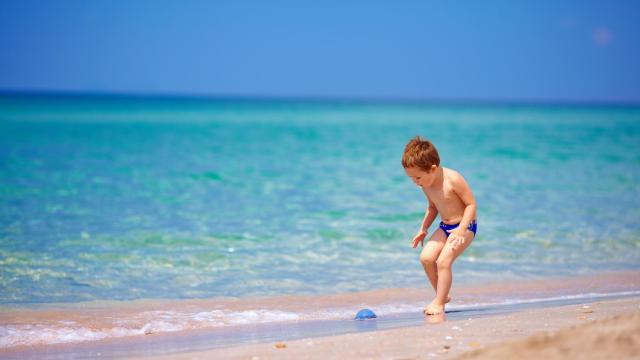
x,y
429,216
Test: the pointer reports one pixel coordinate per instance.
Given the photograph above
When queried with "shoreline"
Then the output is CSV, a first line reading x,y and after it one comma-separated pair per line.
x,y
396,308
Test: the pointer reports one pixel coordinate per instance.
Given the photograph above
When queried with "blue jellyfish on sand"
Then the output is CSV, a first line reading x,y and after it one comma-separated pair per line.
x,y
365,314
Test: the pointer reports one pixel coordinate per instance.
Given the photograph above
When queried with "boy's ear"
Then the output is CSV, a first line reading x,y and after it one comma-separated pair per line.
x,y
433,168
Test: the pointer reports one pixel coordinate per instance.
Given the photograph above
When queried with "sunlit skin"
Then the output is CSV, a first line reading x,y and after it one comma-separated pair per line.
x,y
450,196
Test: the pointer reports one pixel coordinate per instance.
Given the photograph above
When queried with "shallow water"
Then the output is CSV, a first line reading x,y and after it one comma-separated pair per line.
x,y
115,198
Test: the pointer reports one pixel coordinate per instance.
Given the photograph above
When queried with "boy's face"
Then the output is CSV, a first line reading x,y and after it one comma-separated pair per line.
x,y
420,177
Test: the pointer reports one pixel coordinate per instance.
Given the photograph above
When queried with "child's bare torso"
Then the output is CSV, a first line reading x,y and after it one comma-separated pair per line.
x,y
450,206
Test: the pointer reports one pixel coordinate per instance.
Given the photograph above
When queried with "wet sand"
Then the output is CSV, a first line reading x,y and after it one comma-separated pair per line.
x,y
605,329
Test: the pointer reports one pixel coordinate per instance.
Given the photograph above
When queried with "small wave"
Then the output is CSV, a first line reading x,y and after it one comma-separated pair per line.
x,y
29,335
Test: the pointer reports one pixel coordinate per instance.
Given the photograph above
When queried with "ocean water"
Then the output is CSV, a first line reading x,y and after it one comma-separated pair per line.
x,y
124,198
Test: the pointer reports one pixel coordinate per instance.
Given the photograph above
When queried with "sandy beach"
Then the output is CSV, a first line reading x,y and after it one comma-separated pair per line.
x,y
605,329
579,317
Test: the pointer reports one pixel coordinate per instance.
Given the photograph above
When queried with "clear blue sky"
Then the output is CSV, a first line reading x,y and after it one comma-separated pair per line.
x,y
479,50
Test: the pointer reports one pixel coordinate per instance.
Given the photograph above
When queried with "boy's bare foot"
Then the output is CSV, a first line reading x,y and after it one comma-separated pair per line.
x,y
427,310
434,309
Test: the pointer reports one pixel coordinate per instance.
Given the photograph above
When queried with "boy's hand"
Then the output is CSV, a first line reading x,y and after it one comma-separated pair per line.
x,y
419,238
456,239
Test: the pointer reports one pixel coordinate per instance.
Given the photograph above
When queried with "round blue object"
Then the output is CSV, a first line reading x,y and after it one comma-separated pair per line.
x,y
365,314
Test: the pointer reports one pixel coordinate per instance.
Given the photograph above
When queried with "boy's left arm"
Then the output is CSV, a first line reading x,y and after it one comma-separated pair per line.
x,y
463,190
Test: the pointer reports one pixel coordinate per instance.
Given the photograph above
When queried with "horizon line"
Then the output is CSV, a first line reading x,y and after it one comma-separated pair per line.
x,y
321,98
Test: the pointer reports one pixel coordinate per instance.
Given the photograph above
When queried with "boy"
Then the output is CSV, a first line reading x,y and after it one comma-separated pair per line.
x,y
450,196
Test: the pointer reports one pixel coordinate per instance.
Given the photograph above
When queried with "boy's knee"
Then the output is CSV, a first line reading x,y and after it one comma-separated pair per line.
x,y
444,263
427,259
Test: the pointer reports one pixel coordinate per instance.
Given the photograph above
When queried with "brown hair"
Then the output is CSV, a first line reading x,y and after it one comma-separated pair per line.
x,y
420,153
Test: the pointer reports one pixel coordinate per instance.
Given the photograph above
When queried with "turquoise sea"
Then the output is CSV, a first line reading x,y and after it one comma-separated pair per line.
x,y
121,198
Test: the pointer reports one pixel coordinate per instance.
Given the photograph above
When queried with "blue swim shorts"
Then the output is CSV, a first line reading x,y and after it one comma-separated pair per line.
x,y
448,228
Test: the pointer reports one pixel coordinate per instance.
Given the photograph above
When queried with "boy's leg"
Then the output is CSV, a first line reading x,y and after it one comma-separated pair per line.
x,y
430,254
443,264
